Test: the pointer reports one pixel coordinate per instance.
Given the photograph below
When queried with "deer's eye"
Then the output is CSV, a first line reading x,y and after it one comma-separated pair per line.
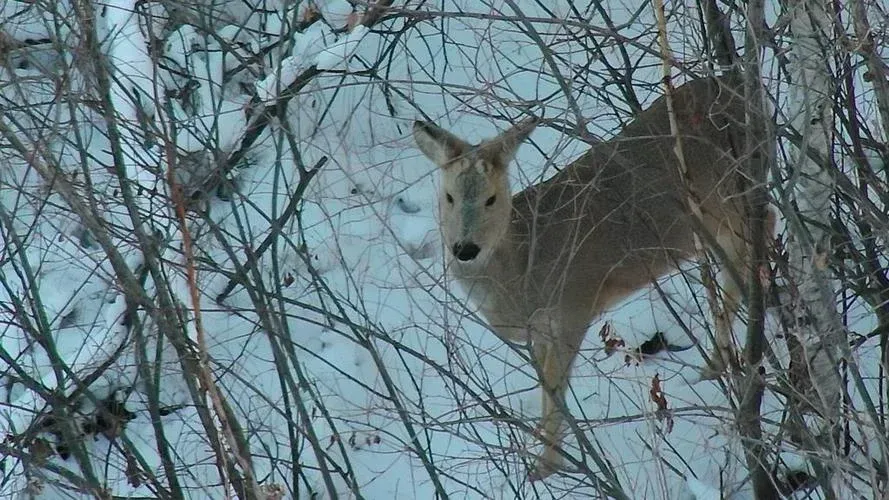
x,y
449,198
490,201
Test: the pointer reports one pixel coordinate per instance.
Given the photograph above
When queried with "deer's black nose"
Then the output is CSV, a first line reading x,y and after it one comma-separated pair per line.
x,y
466,250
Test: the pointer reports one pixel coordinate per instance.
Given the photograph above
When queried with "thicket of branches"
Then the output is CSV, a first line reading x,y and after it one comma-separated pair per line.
x,y
164,165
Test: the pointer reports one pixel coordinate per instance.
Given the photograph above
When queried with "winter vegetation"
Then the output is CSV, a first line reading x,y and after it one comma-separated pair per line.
x,y
222,273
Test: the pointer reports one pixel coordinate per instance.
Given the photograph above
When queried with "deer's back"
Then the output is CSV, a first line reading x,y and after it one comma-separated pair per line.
x,y
616,217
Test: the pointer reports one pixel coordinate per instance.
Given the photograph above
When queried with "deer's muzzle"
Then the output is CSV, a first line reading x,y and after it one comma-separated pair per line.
x,y
465,250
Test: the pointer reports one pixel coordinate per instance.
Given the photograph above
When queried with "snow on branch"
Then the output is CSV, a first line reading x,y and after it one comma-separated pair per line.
x,y
301,79
316,47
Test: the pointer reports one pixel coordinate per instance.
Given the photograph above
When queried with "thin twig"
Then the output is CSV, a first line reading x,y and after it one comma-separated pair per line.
x,y
278,225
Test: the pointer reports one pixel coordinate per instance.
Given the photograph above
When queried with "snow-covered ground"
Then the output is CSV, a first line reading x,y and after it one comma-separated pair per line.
x,y
398,342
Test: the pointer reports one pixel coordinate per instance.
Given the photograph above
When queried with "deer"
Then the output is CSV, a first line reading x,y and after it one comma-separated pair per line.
x,y
543,264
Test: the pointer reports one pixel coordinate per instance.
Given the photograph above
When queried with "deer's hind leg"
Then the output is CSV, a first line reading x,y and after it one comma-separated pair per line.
x,y
735,244
553,362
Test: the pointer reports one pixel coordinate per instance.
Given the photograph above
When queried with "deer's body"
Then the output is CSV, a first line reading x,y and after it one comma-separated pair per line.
x,y
544,263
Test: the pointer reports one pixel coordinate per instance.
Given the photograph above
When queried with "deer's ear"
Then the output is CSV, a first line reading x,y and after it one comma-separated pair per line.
x,y
438,144
501,150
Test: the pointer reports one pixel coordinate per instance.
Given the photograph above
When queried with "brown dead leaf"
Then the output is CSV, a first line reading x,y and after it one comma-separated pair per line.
x,y
40,449
657,393
35,487
657,397
133,472
610,339
310,14
272,491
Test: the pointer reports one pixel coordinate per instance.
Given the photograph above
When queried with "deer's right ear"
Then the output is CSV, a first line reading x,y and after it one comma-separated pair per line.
x,y
438,144
503,148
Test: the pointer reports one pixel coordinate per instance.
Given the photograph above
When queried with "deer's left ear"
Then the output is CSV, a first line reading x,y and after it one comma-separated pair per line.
x,y
438,144
502,149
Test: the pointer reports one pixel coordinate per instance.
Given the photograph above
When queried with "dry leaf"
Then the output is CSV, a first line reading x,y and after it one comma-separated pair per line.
x,y
133,472
610,339
272,491
657,397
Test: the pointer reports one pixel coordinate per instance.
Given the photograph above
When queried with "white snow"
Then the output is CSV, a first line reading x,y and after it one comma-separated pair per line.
x,y
22,22
306,46
335,12
336,55
700,491
370,231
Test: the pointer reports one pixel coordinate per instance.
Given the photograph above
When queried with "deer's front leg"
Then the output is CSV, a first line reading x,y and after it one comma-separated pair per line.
x,y
553,364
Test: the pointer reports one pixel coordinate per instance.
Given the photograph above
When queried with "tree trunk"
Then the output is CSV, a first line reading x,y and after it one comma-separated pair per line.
x,y
812,312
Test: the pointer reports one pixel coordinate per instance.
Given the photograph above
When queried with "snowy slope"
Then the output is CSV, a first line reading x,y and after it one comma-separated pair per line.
x,y
399,341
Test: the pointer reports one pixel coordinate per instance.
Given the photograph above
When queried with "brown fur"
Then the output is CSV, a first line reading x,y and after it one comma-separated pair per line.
x,y
556,255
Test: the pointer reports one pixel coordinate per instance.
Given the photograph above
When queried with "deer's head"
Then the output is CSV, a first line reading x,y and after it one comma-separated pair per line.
x,y
475,201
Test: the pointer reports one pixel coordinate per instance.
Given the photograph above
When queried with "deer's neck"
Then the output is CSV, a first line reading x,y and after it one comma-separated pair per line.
x,y
494,281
